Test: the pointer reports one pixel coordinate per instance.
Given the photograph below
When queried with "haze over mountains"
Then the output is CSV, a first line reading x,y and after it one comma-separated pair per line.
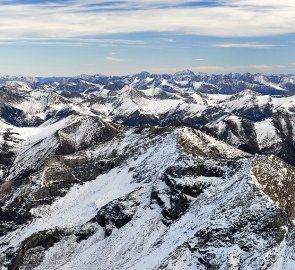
x,y
183,171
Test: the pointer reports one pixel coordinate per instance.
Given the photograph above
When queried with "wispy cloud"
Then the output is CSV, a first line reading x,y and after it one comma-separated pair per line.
x,y
169,33
80,41
208,68
169,40
117,59
77,18
265,67
251,45
239,68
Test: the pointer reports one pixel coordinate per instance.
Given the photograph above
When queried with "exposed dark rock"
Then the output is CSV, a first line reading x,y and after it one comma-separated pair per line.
x,y
116,214
277,181
35,245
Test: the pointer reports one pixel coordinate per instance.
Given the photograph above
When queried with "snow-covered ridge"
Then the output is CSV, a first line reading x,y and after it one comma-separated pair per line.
x,y
183,81
183,171
155,206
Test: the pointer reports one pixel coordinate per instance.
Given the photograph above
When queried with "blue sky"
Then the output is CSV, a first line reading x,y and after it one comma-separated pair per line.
x,y
71,37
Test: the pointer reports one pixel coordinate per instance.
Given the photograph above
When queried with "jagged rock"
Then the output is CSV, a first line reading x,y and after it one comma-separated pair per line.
x,y
116,214
34,246
276,179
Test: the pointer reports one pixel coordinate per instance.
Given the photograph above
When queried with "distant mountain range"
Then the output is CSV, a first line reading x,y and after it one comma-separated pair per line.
x,y
181,81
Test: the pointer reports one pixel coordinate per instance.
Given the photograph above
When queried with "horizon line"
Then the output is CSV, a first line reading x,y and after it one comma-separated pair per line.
x,y
144,71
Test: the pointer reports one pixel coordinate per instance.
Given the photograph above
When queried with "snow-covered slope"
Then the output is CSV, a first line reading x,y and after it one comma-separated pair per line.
x,y
168,198
147,172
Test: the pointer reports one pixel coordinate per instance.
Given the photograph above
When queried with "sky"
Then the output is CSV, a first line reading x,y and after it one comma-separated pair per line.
x,y
119,37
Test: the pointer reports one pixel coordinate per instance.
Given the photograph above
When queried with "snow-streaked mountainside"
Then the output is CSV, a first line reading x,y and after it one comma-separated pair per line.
x,y
183,171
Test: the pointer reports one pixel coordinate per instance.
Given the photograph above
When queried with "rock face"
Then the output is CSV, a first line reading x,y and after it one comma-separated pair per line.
x,y
147,177
277,181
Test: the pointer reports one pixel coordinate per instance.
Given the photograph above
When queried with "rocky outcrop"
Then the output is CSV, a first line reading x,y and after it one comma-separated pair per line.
x,y
276,180
84,132
31,251
116,214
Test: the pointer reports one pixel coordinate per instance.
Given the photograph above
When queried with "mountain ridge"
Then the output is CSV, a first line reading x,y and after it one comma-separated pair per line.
x,y
147,173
